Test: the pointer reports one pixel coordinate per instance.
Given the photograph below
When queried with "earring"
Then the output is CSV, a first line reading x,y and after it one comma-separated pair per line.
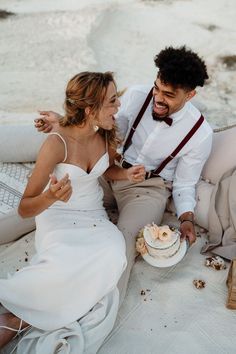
x,y
95,128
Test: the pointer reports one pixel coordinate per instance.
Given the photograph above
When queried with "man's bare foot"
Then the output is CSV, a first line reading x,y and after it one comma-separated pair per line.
x,y
9,320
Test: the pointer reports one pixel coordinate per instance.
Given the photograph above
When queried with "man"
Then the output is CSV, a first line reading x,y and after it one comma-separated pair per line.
x,y
166,121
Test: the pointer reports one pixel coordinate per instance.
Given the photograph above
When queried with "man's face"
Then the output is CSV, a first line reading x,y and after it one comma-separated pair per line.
x,y
167,99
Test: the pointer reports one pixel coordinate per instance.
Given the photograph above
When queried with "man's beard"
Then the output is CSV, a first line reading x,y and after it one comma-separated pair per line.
x,y
157,116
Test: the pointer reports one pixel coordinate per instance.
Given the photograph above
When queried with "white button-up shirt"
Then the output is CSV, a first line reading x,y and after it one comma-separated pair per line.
x,y
153,141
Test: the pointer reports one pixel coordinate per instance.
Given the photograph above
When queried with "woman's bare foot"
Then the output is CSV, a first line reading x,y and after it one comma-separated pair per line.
x,y
9,320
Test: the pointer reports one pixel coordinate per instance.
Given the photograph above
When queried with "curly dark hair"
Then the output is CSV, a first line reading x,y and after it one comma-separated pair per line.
x,y
181,67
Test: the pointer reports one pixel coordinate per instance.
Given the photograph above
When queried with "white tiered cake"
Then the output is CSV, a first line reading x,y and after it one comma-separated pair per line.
x,y
161,241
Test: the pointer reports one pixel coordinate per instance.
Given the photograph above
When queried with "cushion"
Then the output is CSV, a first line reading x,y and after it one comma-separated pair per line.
x,y
222,157
20,143
13,179
13,226
203,197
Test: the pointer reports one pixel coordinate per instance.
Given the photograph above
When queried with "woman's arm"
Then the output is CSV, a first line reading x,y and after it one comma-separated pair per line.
x,y
117,173
35,199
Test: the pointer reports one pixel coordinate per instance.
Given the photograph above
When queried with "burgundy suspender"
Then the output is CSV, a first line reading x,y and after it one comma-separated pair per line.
x,y
155,173
137,120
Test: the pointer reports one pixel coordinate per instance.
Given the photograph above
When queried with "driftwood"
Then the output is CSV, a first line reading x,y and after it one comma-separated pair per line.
x,y
231,283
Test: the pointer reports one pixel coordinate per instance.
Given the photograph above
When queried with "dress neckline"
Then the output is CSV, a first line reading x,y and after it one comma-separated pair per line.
x,y
77,166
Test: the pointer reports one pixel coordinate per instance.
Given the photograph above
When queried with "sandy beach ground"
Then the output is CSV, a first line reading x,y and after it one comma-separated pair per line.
x,y
46,42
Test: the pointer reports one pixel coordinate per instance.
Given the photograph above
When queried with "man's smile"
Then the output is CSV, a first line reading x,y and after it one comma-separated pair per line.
x,y
160,108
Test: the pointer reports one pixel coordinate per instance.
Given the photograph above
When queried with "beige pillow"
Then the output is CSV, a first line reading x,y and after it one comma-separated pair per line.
x,y
19,143
223,155
13,179
203,197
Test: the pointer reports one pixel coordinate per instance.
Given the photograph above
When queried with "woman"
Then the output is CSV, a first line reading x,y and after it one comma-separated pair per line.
x,y
80,255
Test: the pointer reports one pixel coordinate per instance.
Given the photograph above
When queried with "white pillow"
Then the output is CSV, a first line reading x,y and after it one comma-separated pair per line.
x,y
19,143
223,155
12,226
13,179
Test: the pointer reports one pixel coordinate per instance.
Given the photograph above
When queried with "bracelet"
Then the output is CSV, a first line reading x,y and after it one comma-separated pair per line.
x,y
181,222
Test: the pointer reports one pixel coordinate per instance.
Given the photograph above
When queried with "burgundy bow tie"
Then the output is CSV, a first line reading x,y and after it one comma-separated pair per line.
x,y
167,120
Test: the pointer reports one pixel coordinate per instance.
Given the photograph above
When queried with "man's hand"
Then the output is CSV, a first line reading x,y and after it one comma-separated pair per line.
x,y
47,121
187,231
136,173
60,190
187,227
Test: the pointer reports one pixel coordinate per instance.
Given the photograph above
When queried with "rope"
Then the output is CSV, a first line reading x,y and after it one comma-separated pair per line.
x,y
217,130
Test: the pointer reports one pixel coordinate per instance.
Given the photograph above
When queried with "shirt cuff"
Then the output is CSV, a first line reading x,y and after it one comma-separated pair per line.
x,y
184,207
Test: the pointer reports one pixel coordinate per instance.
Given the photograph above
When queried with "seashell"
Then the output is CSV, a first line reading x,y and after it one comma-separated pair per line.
x,y
215,262
199,284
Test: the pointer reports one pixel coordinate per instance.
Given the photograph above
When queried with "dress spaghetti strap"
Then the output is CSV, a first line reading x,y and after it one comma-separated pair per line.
x,y
55,133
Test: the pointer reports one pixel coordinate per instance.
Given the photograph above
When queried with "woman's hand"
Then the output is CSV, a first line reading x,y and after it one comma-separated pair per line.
x,y
136,173
60,190
47,121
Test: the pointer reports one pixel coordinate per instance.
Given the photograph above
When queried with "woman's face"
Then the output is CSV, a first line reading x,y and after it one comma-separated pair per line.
x,y
109,108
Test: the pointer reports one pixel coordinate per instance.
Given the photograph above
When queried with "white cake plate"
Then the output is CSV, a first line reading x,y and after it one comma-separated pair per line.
x,y
167,262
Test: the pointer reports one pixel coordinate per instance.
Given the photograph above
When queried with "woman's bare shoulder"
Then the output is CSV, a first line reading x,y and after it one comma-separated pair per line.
x,y
53,148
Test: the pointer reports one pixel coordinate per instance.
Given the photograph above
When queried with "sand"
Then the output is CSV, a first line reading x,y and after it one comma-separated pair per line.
x,y
47,42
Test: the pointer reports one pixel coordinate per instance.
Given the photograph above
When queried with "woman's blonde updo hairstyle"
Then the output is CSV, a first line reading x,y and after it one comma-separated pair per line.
x,y
87,89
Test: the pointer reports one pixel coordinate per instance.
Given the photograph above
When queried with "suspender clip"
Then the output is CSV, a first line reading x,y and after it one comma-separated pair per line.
x,y
121,160
148,174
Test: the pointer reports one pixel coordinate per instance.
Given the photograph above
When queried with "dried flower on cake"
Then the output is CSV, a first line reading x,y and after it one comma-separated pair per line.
x,y
154,231
165,233
140,245
140,233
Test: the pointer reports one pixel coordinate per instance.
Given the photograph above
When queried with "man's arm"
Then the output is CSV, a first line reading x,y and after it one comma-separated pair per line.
x,y
187,175
116,173
133,174
47,122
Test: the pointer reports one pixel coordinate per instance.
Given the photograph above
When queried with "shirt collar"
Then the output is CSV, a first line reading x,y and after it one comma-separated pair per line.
x,y
180,114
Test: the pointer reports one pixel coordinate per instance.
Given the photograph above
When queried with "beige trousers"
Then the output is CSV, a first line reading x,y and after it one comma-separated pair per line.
x,y
138,204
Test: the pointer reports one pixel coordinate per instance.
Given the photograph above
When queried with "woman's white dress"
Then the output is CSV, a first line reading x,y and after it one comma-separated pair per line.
x,y
80,256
